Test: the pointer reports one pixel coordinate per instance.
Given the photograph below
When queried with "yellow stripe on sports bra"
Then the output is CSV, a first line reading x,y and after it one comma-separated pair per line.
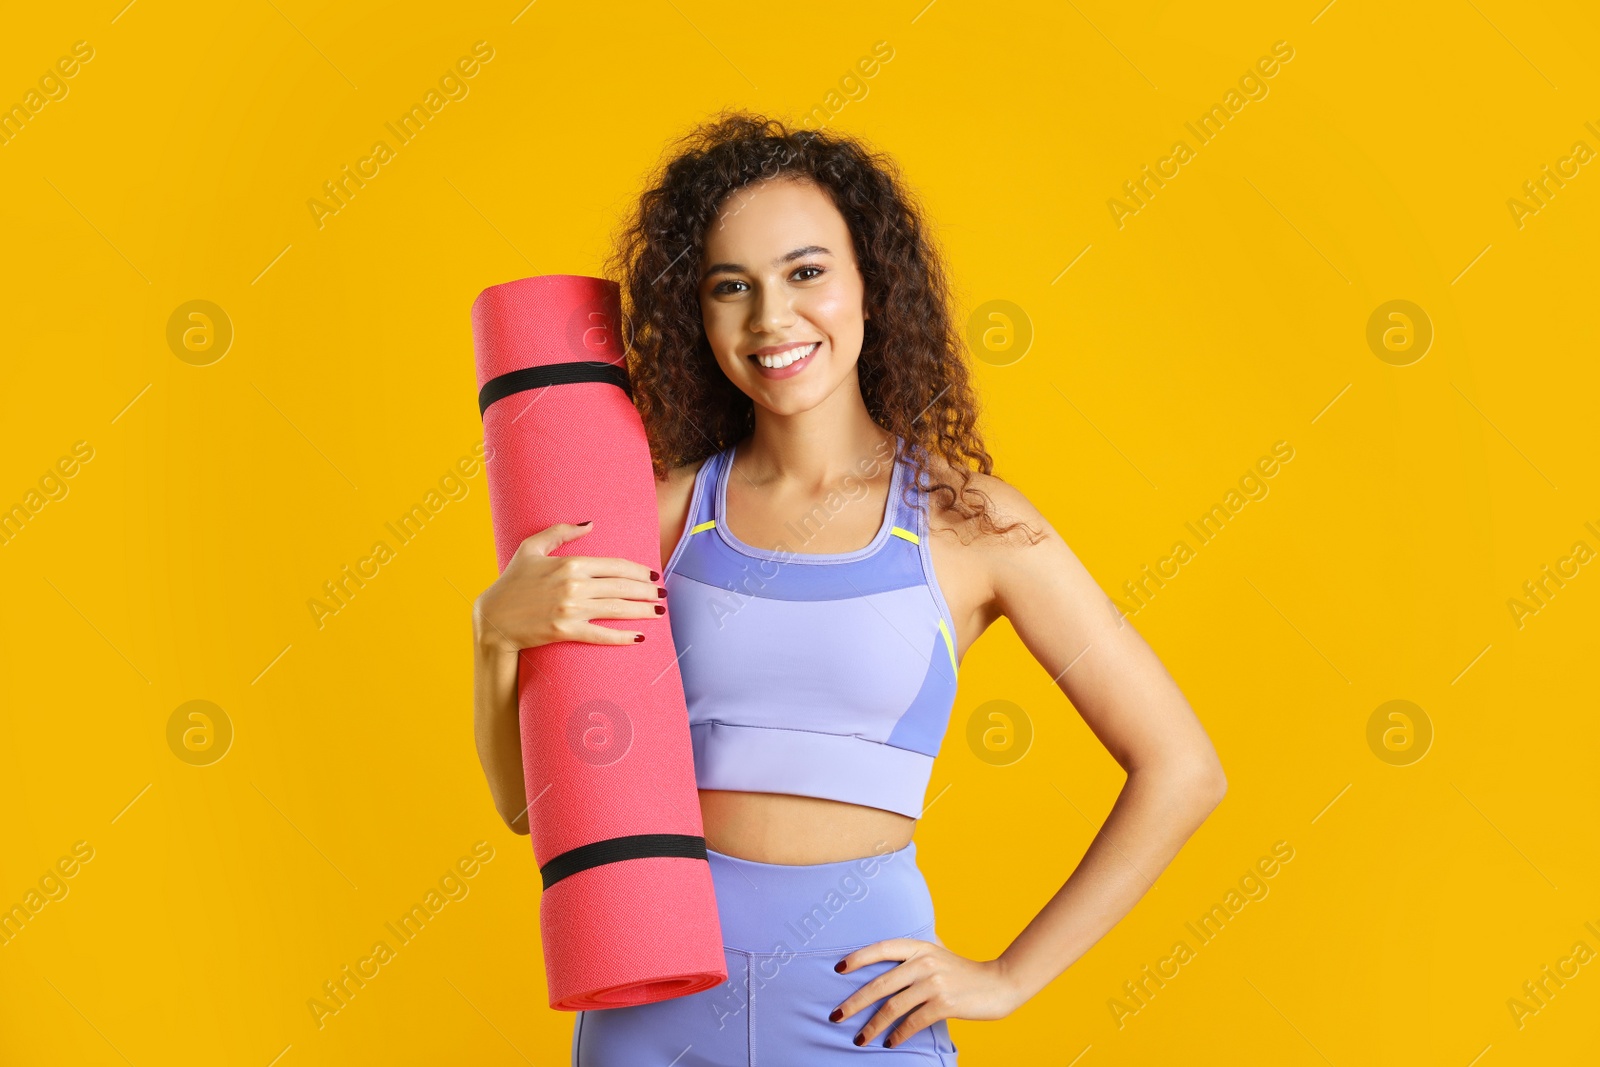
x,y
703,526
949,646
907,534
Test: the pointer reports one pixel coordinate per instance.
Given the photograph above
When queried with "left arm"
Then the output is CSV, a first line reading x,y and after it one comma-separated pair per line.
x,y
1134,707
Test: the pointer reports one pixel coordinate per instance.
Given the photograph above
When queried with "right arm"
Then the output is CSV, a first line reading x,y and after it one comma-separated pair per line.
x,y
537,600
495,723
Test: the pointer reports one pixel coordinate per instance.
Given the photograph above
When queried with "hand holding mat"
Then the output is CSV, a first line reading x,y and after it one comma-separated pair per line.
x,y
629,914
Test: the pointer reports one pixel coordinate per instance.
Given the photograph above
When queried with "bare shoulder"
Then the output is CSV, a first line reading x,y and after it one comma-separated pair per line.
x,y
1005,504
977,566
1028,574
681,478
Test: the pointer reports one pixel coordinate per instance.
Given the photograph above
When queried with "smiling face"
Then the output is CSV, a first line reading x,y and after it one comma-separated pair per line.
x,y
779,280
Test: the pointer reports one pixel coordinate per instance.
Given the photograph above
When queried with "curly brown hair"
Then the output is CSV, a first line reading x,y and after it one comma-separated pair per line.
x,y
689,407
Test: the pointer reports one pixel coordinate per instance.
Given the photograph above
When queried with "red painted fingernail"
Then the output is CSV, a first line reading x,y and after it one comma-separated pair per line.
x,y
637,638
858,1039
661,591
585,522
654,577
839,966
836,1016
661,609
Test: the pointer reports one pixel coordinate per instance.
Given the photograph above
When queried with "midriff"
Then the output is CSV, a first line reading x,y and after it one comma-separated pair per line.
x,y
790,829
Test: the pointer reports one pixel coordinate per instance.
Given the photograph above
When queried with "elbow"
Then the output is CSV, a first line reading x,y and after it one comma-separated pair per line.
x,y
1196,788
1207,788
1191,789
518,823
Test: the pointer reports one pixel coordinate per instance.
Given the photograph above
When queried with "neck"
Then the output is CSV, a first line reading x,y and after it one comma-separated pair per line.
x,y
815,456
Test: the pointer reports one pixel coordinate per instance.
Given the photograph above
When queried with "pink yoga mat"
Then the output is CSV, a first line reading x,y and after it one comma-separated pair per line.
x,y
628,913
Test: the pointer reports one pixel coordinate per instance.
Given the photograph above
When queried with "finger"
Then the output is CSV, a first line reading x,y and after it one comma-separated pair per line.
x,y
900,1004
624,589
615,567
593,634
611,608
896,948
890,981
551,537
924,1017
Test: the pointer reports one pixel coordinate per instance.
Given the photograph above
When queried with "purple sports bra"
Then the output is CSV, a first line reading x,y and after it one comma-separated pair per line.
x,y
828,675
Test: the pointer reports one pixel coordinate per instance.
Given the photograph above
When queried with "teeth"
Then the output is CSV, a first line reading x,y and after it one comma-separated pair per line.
x,y
783,359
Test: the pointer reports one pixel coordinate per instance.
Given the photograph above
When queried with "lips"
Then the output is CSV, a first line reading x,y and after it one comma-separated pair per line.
x,y
787,363
777,356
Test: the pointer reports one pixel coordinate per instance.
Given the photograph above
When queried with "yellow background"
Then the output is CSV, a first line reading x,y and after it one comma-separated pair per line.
x,y
1229,313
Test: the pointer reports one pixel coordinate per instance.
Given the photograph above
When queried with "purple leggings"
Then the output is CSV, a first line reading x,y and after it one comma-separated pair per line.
x,y
783,928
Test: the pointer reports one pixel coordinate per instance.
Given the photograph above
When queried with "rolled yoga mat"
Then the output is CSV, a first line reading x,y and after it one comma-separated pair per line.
x,y
628,913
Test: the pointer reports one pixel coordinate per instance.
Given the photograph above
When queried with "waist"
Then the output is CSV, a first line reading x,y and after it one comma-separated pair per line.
x,y
820,907
782,828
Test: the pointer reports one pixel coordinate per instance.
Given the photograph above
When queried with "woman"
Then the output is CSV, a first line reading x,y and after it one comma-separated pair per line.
x,y
803,384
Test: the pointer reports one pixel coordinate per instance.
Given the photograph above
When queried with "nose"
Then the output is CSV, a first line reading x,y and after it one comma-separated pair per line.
x,y
770,311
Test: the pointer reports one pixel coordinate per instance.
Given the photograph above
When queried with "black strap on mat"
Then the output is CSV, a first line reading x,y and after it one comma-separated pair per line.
x,y
518,381
617,849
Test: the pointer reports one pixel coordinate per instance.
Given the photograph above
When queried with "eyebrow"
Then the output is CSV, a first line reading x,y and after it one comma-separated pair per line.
x,y
787,257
